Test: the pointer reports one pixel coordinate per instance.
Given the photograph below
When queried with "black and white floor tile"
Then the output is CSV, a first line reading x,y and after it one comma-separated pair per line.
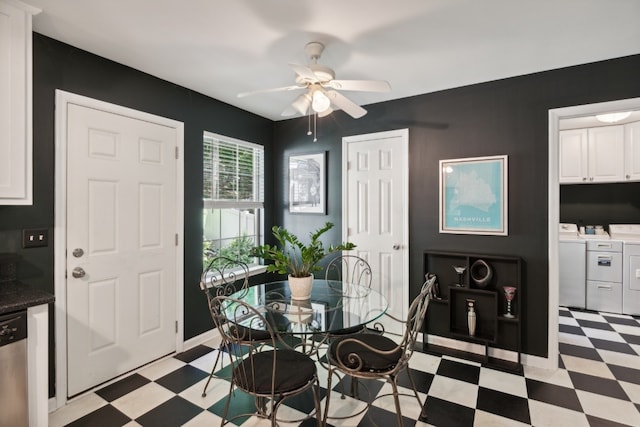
x,y
597,384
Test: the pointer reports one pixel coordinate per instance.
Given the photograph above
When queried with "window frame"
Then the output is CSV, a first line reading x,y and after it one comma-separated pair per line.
x,y
255,202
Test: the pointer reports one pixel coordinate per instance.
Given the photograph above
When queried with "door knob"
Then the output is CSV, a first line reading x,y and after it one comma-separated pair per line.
x,y
396,247
78,272
77,252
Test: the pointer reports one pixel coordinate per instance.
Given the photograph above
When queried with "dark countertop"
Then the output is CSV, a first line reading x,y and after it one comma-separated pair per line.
x,y
16,296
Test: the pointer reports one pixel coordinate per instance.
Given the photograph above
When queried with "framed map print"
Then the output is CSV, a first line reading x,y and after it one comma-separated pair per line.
x,y
473,196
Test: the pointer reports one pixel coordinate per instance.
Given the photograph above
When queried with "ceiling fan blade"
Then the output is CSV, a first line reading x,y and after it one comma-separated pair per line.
x,y
360,85
345,104
305,72
275,89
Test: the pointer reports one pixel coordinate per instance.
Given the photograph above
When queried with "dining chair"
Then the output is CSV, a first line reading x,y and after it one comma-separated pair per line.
x,y
349,268
270,373
222,277
343,272
376,356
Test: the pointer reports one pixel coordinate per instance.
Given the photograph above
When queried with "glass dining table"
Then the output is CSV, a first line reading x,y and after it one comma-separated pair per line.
x,y
334,307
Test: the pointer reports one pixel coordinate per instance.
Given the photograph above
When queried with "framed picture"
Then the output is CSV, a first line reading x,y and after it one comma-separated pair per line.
x,y
473,196
307,183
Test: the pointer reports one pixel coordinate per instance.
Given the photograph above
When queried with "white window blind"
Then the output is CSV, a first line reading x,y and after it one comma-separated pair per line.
x,y
233,173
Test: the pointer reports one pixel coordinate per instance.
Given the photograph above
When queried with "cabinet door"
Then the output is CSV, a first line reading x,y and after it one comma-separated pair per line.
x,y
632,152
573,156
15,105
606,154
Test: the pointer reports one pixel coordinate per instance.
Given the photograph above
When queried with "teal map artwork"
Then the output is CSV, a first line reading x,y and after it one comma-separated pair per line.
x,y
473,196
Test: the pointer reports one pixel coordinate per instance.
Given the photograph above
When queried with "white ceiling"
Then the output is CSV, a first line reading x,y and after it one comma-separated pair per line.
x,y
223,47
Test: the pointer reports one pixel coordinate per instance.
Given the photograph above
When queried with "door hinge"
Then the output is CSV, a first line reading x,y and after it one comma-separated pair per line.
x,y
177,239
177,153
176,326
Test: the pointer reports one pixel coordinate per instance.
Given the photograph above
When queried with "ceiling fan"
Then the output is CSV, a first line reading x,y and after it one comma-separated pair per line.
x,y
322,88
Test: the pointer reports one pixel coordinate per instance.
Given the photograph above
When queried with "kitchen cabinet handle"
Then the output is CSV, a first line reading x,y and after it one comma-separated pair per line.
x,y
607,287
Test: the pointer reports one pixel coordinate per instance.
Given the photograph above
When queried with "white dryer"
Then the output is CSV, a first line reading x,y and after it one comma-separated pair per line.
x,y
630,234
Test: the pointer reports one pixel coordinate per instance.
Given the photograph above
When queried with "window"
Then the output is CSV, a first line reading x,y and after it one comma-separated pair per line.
x,y
233,197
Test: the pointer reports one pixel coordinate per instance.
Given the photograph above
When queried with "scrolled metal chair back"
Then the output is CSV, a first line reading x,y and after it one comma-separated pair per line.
x,y
349,269
415,317
223,277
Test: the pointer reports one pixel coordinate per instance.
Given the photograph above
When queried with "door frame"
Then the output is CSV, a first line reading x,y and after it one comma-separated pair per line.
x,y
62,99
403,148
555,115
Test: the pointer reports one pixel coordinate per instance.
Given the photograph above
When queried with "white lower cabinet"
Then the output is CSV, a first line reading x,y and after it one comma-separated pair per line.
x,y
604,275
604,296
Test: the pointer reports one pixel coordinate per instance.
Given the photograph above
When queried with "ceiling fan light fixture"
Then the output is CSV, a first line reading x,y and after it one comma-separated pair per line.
x,y
302,103
613,117
320,101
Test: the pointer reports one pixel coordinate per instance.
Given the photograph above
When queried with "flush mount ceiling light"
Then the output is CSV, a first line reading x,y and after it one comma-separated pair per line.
x,y
613,117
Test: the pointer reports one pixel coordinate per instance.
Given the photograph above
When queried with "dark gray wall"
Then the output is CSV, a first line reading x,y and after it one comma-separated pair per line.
x,y
60,66
502,117
592,204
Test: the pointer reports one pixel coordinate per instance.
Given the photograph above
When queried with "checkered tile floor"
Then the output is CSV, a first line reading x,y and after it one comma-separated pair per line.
x,y
598,384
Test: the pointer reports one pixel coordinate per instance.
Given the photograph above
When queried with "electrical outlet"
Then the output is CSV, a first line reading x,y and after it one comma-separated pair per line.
x,y
35,238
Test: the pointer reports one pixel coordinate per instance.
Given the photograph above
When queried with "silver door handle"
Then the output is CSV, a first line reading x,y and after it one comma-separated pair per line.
x,y
78,272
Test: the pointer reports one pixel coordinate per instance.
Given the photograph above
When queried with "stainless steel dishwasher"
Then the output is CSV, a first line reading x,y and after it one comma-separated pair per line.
x,y
13,370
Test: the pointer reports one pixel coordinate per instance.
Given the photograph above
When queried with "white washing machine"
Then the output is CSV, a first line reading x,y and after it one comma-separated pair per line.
x,y
630,234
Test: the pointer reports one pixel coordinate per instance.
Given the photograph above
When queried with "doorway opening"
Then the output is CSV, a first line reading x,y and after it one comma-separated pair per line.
x,y
556,116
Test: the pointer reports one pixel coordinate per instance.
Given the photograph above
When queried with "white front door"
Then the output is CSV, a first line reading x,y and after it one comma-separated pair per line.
x,y
121,244
375,217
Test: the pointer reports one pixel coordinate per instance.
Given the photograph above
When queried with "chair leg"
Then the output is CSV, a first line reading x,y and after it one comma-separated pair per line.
x,y
316,401
204,392
413,386
226,406
327,397
396,400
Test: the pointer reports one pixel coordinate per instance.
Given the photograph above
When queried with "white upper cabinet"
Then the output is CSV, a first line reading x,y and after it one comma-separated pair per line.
x,y
573,156
600,154
15,103
606,154
632,152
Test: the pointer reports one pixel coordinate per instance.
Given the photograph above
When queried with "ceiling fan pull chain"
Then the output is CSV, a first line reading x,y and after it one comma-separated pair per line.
x,y
315,133
309,121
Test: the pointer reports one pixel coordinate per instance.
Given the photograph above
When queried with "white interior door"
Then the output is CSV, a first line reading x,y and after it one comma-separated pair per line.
x,y
375,193
121,244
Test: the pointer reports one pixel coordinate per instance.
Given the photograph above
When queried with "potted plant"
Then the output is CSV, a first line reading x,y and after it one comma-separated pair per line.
x,y
299,260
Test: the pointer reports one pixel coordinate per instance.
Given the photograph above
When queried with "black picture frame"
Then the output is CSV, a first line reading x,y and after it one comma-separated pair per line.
x,y
307,183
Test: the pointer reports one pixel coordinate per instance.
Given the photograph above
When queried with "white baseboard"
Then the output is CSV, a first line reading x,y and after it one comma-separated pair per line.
x,y
498,353
212,334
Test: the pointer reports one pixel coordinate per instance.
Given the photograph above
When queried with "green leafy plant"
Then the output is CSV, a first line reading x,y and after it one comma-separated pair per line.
x,y
293,257
239,249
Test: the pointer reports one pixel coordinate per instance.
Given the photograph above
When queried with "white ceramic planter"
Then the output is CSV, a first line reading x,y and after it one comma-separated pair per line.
x,y
300,287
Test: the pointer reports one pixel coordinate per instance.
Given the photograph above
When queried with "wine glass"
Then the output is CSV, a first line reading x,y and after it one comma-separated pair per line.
x,y
509,294
460,269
